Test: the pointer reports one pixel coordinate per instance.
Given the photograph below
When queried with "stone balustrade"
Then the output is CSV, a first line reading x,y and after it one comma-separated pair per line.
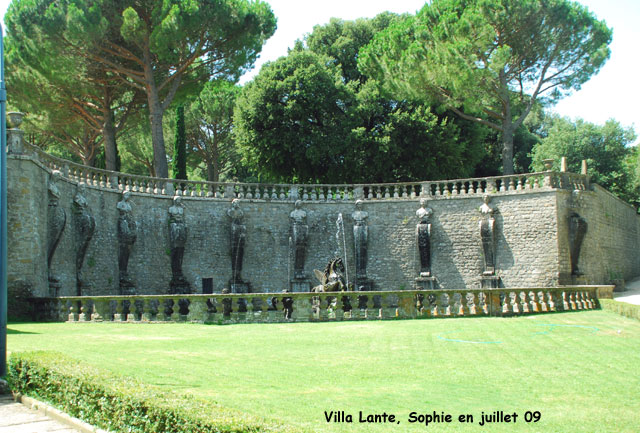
x,y
330,306
318,192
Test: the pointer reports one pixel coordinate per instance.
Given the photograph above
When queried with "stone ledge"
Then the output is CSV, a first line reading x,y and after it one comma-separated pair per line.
x,y
58,415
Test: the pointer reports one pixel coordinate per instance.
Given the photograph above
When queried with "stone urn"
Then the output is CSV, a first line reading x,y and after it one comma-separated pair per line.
x,y
14,119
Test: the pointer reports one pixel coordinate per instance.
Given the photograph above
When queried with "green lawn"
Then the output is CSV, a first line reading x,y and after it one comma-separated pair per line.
x,y
579,370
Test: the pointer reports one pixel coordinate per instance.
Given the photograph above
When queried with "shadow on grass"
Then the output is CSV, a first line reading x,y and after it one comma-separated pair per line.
x,y
13,331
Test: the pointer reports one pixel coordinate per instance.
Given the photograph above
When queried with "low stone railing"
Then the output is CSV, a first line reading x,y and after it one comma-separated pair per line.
x,y
318,192
305,307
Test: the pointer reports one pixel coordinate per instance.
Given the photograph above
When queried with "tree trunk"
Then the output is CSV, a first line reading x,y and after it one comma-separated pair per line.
x,y
507,126
161,167
156,114
212,173
89,160
110,146
507,148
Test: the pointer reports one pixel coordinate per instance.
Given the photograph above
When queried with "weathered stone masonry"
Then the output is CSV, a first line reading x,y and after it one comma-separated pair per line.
x,y
531,220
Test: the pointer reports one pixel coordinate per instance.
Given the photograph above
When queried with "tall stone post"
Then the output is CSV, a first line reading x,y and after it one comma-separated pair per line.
x,y
15,135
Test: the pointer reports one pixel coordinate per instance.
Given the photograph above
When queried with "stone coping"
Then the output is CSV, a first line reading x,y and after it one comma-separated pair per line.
x,y
304,295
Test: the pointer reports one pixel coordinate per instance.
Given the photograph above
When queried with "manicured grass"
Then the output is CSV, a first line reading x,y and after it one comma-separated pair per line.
x,y
579,370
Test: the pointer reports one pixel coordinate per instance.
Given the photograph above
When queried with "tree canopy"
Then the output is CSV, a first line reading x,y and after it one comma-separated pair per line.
x,y
209,121
606,148
490,60
311,116
157,47
69,98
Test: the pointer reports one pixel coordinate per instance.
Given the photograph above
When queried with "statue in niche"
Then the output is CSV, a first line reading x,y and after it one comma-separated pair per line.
x,y
577,230
56,221
300,231
127,234
238,237
423,235
360,235
177,241
488,235
85,225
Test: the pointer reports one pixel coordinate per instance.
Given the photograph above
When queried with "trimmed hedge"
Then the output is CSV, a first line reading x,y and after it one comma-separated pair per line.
x,y
622,308
122,404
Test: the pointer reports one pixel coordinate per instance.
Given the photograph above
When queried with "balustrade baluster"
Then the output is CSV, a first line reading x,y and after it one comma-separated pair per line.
x,y
339,307
577,305
131,315
80,310
214,311
457,305
588,300
164,306
175,310
120,307
565,303
73,315
147,311
541,302
505,303
585,301
482,303
445,308
471,309
533,305
552,299
513,302
524,306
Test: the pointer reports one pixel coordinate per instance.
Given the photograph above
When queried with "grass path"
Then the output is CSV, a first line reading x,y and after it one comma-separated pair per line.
x,y
579,370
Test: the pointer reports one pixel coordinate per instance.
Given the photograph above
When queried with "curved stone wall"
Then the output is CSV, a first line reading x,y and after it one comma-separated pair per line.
x,y
529,211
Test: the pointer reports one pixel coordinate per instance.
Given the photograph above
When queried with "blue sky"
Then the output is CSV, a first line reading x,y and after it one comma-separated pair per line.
x,y
613,93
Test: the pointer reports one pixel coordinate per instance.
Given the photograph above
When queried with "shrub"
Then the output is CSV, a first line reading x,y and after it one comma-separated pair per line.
x,y
119,403
622,308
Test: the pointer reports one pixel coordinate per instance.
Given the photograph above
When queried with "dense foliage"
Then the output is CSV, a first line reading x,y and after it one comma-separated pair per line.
x,y
70,99
482,58
209,121
606,149
158,48
311,116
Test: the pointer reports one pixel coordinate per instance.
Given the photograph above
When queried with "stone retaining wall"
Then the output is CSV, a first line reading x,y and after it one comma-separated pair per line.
x,y
531,225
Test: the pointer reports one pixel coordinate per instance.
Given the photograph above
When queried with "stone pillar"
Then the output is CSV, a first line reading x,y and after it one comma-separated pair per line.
x,y
15,136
